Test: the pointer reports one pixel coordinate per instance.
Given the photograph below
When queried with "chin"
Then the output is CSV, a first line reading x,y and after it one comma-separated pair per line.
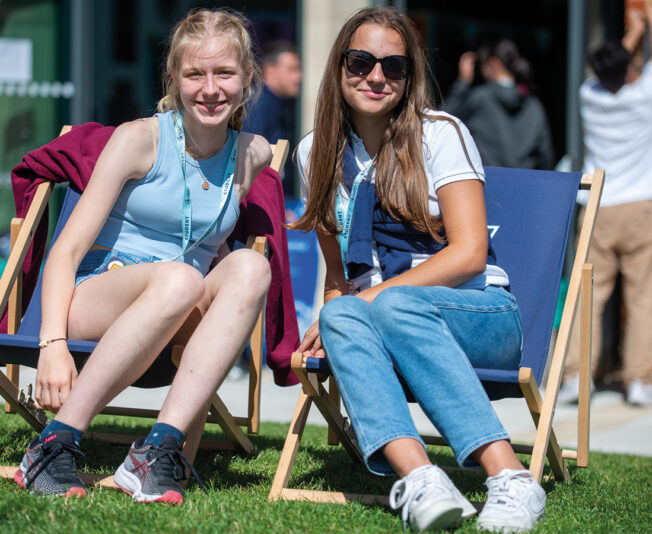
x,y
212,119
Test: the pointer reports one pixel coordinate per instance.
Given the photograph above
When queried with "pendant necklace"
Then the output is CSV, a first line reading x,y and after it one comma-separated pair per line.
x,y
206,184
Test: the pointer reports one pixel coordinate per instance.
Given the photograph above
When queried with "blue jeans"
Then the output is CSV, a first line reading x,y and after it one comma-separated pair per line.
x,y
431,336
100,261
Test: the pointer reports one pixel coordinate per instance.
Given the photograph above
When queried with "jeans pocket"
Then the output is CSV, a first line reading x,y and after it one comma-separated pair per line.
x,y
94,261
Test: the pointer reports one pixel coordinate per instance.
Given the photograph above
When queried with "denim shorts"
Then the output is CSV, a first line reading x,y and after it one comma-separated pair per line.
x,y
100,261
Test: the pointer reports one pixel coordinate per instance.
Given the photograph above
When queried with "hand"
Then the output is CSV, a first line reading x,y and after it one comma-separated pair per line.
x,y
466,66
311,343
647,11
55,375
635,21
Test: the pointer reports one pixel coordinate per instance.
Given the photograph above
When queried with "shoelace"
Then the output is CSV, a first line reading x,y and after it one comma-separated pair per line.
x,y
504,489
172,462
409,489
53,454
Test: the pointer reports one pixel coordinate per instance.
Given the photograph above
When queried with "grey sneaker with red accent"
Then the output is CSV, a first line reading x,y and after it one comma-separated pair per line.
x,y
49,468
154,474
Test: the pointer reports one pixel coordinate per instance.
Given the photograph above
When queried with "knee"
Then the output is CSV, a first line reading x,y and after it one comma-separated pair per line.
x,y
178,287
251,271
391,304
339,312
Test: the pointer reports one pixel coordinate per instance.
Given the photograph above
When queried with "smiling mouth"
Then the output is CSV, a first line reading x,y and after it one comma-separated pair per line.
x,y
373,94
212,106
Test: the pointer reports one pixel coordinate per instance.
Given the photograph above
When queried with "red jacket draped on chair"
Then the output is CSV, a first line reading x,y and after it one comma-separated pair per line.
x,y
72,157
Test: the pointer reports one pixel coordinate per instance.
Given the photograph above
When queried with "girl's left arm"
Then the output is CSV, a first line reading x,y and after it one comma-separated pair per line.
x,y
465,221
254,153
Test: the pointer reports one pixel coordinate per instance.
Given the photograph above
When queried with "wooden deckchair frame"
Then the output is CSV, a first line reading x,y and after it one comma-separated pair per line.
x,y
580,288
21,235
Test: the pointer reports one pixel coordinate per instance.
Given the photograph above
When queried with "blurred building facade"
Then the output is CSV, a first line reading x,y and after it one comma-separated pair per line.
x,y
73,61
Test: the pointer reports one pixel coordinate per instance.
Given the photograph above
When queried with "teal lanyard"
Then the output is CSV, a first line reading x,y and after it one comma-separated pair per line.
x,y
345,219
227,185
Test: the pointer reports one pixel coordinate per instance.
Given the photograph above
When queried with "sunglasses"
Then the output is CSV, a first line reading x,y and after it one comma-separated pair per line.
x,y
361,62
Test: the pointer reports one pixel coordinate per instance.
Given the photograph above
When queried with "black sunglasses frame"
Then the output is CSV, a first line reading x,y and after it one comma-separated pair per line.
x,y
381,60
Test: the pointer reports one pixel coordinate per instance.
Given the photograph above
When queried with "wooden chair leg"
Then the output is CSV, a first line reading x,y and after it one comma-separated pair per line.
x,y
22,405
553,451
14,308
257,244
584,398
331,412
291,447
255,375
288,456
334,396
13,374
229,425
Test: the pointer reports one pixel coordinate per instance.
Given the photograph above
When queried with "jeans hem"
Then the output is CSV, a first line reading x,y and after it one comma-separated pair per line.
x,y
464,458
389,471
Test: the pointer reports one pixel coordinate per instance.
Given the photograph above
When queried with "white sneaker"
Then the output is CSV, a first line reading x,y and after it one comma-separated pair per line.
x,y
569,392
639,393
429,499
515,502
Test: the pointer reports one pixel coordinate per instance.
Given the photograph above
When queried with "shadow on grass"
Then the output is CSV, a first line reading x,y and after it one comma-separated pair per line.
x,y
330,468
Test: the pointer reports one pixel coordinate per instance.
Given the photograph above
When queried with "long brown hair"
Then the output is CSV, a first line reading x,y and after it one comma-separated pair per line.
x,y
401,183
199,24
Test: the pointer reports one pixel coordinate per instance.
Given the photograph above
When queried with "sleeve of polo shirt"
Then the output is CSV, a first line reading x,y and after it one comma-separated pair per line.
x,y
448,157
303,152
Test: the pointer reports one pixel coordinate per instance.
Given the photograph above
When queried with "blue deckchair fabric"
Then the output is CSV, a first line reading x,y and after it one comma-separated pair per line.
x,y
22,348
529,214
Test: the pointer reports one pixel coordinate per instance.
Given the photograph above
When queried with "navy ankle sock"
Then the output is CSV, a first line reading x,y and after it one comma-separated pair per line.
x,y
54,426
160,430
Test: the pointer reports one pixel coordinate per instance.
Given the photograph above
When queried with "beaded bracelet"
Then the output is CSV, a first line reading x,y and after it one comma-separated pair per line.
x,y
46,342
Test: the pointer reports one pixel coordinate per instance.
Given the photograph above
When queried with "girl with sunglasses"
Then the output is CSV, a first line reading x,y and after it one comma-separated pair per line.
x,y
395,193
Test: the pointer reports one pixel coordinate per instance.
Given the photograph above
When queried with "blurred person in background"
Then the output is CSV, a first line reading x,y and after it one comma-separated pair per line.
x,y
616,109
272,115
506,119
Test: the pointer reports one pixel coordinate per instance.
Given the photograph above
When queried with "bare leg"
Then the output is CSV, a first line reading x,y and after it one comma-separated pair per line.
x,y
406,454
134,312
496,456
236,289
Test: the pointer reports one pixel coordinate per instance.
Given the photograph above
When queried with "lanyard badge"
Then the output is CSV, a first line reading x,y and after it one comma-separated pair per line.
x,y
227,185
345,219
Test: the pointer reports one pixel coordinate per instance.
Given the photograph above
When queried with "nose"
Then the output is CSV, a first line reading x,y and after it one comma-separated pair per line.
x,y
376,75
210,86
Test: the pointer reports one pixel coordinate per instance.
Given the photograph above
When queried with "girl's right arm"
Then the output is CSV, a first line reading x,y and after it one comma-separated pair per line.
x,y
334,286
129,154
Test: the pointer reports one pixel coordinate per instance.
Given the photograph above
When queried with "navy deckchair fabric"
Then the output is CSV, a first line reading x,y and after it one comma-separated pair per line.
x,y
22,348
529,215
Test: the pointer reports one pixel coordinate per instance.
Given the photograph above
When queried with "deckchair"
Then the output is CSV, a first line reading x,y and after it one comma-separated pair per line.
x,y
20,345
529,215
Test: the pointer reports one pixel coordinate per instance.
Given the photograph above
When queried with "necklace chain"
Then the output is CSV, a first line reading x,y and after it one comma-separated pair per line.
x,y
206,184
199,156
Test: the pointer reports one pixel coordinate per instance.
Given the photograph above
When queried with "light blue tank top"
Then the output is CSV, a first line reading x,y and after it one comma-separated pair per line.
x,y
146,218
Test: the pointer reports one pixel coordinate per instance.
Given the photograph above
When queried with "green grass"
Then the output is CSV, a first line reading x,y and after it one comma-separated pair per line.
x,y
613,495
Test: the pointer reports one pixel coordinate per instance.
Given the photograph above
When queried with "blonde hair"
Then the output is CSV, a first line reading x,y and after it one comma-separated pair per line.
x,y
199,24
